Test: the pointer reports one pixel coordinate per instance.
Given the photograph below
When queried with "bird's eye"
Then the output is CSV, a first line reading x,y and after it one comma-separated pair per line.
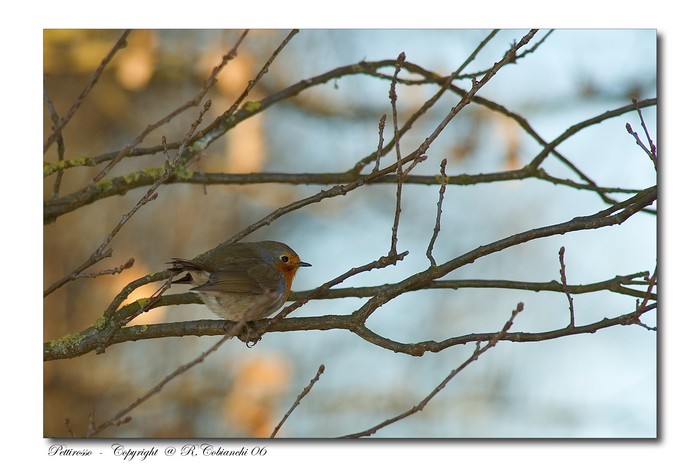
x,y
284,258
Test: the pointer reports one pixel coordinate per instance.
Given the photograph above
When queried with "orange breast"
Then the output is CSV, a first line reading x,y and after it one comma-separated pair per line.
x,y
288,272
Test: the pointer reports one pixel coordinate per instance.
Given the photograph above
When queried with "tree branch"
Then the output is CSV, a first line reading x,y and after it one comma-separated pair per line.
x,y
90,339
145,177
120,44
421,405
303,393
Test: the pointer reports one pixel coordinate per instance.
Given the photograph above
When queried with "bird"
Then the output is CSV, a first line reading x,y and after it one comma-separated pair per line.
x,y
243,281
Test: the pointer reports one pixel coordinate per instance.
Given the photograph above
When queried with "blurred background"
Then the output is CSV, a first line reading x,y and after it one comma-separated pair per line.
x,y
600,385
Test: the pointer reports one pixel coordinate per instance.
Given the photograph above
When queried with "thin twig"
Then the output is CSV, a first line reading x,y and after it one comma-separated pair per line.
x,y
380,145
121,43
445,84
614,215
55,119
475,74
194,102
103,251
112,271
220,125
562,273
118,418
629,129
97,256
476,86
651,150
652,146
441,196
306,390
421,405
380,263
548,148
399,166
117,324
150,195
157,388
648,295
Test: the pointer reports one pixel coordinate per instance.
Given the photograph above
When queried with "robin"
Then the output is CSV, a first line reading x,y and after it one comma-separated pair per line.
x,y
241,281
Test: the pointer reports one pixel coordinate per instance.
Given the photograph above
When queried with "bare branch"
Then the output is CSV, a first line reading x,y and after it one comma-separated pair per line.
x,y
652,146
651,150
119,417
611,216
156,389
399,166
380,263
441,196
91,338
380,145
414,156
421,405
648,295
121,43
55,119
223,123
103,251
303,393
444,86
111,271
81,343
562,273
194,102
120,185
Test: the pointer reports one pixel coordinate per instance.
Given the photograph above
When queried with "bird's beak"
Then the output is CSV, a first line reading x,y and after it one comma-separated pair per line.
x,y
303,264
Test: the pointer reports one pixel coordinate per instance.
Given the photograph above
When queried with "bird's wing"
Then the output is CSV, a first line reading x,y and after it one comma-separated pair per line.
x,y
179,265
243,276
